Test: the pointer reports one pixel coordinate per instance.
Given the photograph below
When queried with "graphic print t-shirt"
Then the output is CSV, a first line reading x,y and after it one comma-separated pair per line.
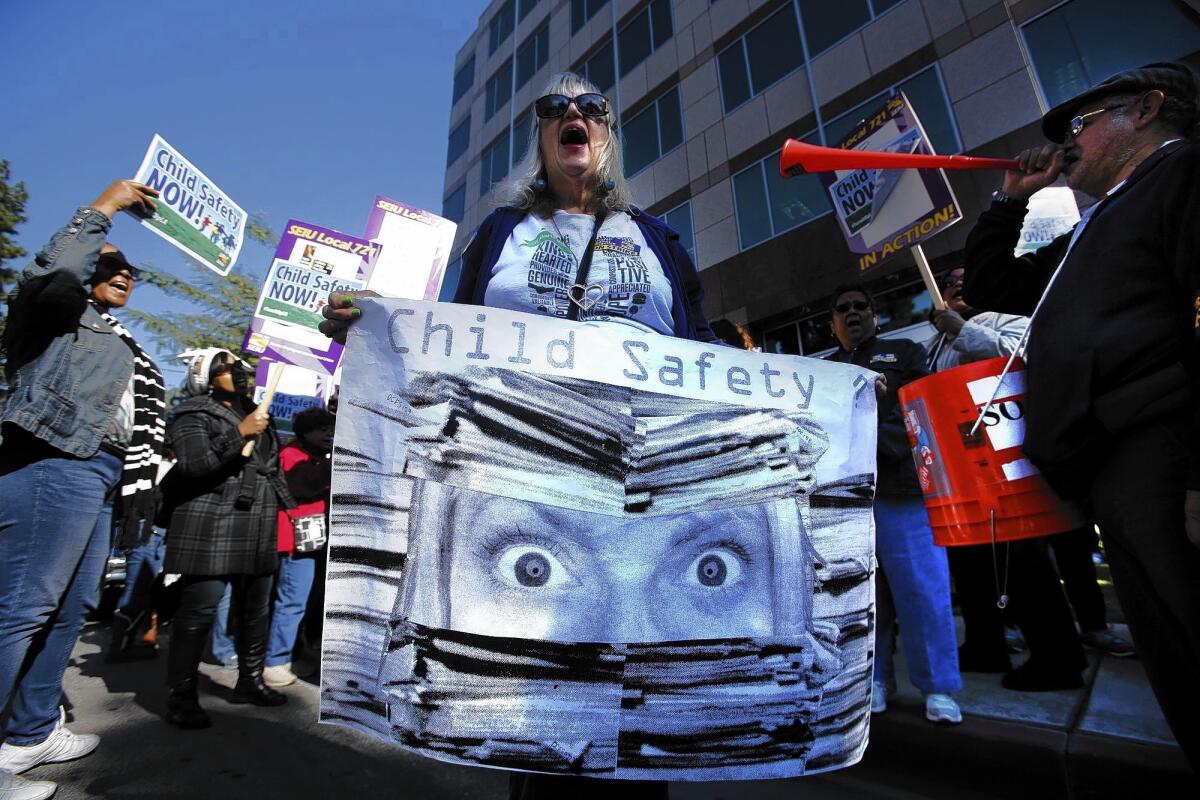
x,y
540,261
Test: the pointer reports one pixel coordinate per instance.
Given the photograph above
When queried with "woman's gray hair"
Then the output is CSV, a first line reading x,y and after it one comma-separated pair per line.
x,y
526,188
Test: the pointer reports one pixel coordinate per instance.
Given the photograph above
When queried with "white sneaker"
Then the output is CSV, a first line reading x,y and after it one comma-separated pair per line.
x,y
279,676
942,708
60,745
14,788
878,698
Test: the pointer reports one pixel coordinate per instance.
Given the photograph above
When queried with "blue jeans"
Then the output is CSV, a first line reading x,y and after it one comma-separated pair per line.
x,y
919,579
222,644
142,565
294,581
55,529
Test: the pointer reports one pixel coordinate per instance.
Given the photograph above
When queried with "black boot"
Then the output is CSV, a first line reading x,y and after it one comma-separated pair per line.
x,y
183,707
252,652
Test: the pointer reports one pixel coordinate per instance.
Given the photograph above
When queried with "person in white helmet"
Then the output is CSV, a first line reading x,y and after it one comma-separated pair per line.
x,y
222,508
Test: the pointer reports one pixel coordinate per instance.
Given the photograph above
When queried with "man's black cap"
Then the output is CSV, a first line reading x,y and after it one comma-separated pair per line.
x,y
1174,80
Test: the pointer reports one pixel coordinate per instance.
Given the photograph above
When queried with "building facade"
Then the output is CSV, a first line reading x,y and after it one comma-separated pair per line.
x,y
706,92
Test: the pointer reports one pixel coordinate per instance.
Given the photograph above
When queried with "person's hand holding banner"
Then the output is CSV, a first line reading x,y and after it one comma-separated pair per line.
x,y
126,195
341,312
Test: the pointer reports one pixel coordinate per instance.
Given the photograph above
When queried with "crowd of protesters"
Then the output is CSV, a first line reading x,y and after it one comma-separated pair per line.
x,y
242,521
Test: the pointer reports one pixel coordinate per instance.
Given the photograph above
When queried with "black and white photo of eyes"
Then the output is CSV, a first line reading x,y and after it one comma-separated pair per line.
x,y
515,568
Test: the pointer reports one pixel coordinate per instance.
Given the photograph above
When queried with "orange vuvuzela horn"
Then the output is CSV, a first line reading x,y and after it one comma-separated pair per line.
x,y
798,158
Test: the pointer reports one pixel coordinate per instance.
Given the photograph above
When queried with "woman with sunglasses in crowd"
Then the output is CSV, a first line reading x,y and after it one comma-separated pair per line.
x,y
221,499
566,241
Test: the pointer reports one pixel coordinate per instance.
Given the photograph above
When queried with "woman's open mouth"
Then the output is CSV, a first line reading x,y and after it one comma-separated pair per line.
x,y
574,136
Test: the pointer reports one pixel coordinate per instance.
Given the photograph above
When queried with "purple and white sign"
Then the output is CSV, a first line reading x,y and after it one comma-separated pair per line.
x,y
309,263
884,212
416,246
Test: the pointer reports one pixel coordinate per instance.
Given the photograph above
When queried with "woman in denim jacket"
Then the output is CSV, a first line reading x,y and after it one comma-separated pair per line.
x,y
67,428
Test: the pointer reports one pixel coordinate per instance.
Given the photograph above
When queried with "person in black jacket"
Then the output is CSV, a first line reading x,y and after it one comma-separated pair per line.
x,y
222,529
913,579
1113,372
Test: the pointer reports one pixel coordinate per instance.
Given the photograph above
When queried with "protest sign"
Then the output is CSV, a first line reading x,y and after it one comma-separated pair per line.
x,y
883,212
416,246
578,548
1052,212
191,212
297,390
309,263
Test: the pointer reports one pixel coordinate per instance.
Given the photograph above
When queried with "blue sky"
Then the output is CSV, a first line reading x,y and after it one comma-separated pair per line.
x,y
296,108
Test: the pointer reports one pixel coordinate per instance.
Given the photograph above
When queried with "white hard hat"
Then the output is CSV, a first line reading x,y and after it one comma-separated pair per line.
x,y
199,363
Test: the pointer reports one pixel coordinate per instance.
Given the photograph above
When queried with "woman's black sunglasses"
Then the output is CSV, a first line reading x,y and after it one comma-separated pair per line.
x,y
555,105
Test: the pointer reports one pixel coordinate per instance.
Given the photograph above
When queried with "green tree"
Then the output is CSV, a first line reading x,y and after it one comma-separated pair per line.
x,y
12,214
222,306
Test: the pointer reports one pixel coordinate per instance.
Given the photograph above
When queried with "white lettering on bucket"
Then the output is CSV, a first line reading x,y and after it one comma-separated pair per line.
x,y
1021,468
981,390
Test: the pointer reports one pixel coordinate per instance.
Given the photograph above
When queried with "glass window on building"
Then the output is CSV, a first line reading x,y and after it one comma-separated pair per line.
x,y
524,7
460,137
502,25
463,79
767,204
599,68
679,219
582,11
450,281
520,136
1082,42
494,165
653,132
765,54
454,207
499,90
928,97
644,34
827,23
533,54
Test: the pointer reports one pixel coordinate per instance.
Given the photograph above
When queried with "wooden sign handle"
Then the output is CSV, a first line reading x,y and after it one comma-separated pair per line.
x,y
935,294
275,371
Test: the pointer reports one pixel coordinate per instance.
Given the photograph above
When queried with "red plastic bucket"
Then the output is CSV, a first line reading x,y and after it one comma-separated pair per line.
x,y
971,482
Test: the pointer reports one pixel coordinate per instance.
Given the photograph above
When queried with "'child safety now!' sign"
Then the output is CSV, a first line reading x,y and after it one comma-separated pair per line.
x,y
883,212
191,212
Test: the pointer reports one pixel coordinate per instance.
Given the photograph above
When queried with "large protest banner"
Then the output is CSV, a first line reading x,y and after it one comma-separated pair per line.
x,y
310,262
416,247
578,548
883,212
191,212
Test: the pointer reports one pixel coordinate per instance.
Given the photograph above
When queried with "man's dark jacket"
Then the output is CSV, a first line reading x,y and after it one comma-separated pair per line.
x,y
1114,344
901,361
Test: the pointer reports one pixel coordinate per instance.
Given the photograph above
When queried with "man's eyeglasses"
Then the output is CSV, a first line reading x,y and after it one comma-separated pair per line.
x,y
555,105
951,281
857,305
1077,124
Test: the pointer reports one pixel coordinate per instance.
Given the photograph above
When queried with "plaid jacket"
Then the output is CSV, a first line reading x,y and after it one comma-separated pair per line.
x,y
207,533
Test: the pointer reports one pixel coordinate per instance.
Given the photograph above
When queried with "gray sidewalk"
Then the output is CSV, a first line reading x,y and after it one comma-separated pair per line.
x,y
1105,740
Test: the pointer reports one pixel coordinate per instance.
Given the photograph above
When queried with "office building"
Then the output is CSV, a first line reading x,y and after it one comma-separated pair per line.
x,y
707,91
